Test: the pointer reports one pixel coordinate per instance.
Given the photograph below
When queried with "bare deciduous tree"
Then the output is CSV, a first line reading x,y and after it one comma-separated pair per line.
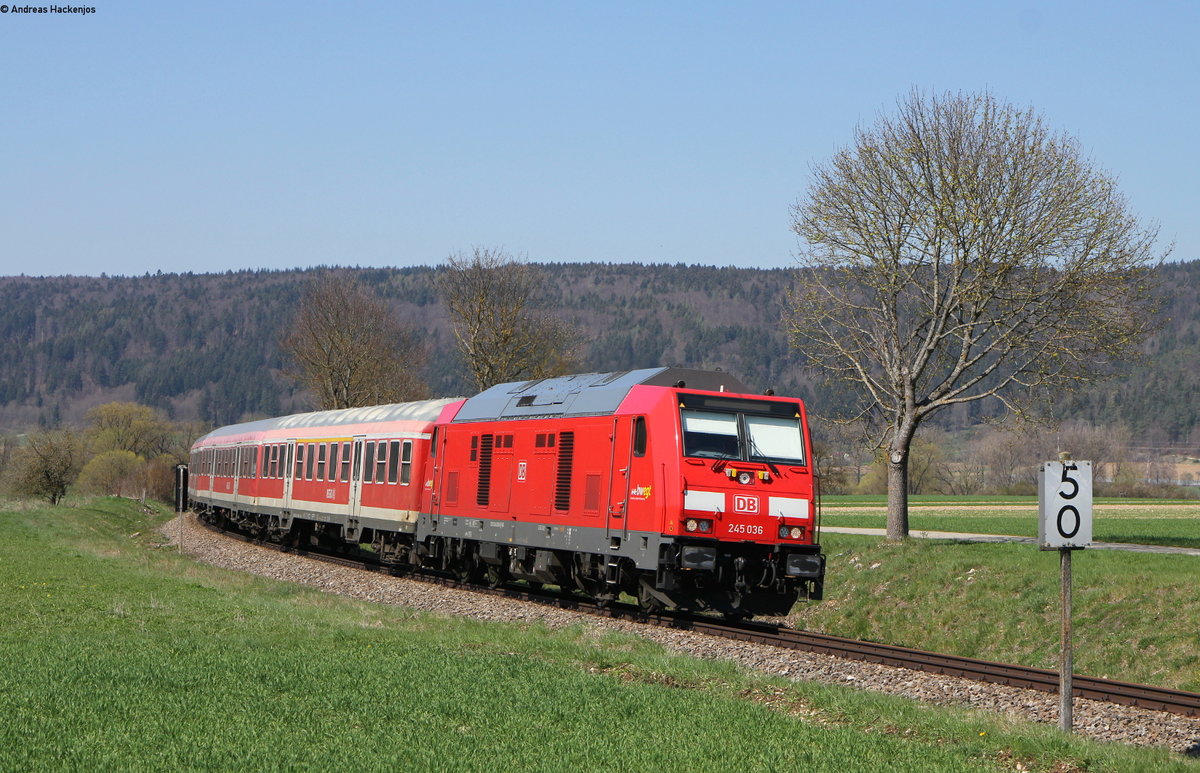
x,y
491,298
349,349
959,250
48,464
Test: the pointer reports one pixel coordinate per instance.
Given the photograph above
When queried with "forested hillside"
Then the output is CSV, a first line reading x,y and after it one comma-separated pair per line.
x,y
206,346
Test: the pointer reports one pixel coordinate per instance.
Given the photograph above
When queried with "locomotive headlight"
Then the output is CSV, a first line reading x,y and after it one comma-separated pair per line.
x,y
745,477
791,532
692,524
702,525
705,526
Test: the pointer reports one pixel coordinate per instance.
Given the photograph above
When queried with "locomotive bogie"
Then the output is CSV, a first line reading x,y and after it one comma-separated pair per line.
x,y
689,497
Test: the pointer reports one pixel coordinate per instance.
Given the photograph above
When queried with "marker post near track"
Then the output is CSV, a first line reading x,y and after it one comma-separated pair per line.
x,y
1065,524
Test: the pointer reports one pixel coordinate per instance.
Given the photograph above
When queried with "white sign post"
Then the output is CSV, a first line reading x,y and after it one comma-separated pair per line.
x,y
1065,524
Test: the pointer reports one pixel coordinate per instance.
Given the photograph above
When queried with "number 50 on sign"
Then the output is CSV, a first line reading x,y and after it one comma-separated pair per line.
x,y
1065,505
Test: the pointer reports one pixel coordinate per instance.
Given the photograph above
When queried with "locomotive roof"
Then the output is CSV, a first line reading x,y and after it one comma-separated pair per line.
x,y
588,394
422,410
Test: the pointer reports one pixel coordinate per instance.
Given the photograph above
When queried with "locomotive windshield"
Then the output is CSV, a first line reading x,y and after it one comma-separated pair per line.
x,y
742,436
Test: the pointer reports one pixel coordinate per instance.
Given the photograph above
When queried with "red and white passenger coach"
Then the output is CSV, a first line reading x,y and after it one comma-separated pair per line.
x,y
672,485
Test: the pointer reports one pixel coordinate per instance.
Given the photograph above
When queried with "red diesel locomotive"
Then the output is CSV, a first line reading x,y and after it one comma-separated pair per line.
x,y
672,485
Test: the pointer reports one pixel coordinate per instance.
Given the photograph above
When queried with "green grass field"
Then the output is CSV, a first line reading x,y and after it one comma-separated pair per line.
x,y
121,655
1150,522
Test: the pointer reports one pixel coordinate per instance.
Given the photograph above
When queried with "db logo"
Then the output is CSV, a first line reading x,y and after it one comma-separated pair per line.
x,y
743,504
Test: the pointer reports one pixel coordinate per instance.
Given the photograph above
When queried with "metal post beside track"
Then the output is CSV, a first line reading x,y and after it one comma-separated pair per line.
x,y
181,499
1065,524
1065,704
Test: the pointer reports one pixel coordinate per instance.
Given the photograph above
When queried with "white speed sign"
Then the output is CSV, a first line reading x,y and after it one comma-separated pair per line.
x,y
1065,505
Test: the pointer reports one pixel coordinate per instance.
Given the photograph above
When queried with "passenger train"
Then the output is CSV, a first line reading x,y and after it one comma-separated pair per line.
x,y
675,486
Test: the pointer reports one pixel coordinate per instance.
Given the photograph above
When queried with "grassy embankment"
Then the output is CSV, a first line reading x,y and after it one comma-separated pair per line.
x,y
122,656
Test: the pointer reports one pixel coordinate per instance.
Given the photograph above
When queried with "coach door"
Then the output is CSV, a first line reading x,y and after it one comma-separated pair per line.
x,y
288,474
237,470
356,478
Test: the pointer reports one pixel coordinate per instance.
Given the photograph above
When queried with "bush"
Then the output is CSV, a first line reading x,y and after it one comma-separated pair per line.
x,y
48,464
113,473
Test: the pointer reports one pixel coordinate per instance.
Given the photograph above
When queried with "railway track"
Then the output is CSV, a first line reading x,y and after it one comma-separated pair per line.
x,y
1044,680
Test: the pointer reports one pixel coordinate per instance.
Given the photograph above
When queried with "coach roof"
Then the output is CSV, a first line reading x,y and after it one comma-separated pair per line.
x,y
422,411
588,394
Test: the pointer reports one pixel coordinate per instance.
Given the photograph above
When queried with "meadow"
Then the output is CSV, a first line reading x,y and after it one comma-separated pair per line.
x,y
1148,521
119,654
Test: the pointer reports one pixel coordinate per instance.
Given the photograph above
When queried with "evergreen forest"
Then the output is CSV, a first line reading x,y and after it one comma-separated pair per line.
x,y
206,347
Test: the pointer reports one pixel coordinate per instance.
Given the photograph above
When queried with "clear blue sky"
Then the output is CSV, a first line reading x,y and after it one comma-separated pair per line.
x,y
212,136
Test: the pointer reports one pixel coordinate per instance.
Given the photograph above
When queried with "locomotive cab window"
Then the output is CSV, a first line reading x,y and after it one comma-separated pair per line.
x,y
710,435
775,439
639,436
750,431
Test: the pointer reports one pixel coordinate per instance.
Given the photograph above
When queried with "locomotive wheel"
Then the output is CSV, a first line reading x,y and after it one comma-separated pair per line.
x,y
493,577
466,570
646,600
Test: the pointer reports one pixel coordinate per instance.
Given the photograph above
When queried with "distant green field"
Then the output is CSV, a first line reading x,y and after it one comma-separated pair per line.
x,y
1150,522
924,500
880,500
120,655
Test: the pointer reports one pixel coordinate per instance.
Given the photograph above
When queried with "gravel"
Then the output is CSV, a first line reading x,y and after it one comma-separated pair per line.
x,y
1099,720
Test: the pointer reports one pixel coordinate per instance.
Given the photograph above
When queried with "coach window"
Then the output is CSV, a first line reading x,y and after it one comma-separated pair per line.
x,y
345,462
333,460
381,462
322,450
406,463
639,436
311,462
369,463
393,460
298,473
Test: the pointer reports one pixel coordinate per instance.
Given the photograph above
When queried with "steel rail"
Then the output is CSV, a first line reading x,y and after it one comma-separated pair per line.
x,y
1043,680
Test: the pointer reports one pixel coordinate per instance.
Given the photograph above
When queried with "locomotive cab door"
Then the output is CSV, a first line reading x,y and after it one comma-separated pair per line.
x,y
620,460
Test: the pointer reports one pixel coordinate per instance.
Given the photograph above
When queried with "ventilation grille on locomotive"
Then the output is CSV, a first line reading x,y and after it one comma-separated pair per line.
x,y
485,471
566,457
